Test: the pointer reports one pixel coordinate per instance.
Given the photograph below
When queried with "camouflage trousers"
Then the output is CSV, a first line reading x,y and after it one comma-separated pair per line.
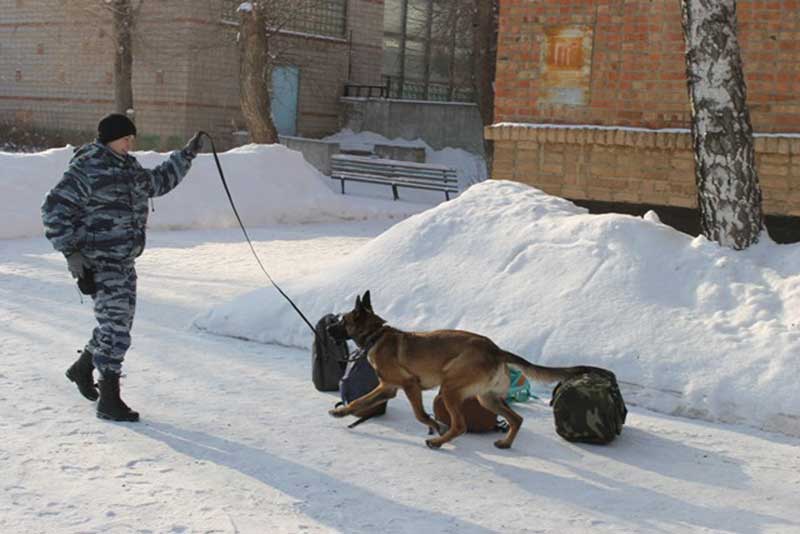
x,y
114,307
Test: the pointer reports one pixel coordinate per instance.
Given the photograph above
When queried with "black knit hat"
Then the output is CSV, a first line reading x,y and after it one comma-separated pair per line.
x,y
114,126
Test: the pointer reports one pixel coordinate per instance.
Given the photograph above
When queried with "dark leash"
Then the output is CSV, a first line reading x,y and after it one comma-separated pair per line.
x,y
247,237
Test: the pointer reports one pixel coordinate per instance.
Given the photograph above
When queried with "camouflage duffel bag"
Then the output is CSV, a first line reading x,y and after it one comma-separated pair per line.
x,y
589,408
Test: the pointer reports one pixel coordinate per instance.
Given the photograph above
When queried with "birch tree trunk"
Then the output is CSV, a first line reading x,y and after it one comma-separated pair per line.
x,y
729,195
254,75
122,34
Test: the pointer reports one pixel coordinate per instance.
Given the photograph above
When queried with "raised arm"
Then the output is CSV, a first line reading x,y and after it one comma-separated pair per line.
x,y
168,175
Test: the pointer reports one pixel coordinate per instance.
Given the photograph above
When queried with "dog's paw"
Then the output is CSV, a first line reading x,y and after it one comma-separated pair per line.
x,y
432,444
502,444
336,412
437,428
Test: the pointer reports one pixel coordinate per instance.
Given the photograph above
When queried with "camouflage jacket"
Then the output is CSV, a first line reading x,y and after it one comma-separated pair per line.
x,y
99,207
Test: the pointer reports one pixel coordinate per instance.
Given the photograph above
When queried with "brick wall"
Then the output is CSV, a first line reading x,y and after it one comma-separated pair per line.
x,y
65,55
323,72
46,78
637,64
56,68
214,86
162,71
638,167
621,64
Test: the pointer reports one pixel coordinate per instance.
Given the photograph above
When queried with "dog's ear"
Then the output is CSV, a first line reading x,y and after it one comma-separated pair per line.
x,y
358,303
366,301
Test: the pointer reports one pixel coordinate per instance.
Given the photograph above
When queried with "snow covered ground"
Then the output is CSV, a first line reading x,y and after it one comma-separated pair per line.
x,y
234,438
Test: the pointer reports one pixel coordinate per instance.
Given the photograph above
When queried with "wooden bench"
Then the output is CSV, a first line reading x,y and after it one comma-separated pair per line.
x,y
395,174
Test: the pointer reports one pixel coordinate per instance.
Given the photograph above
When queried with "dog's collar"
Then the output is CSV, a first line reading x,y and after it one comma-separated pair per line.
x,y
373,338
362,351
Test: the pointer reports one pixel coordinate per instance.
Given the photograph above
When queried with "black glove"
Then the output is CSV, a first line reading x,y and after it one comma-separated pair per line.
x,y
194,146
76,264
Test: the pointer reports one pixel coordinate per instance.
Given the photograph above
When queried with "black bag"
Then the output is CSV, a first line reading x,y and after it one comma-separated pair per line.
x,y
358,380
589,407
86,283
328,356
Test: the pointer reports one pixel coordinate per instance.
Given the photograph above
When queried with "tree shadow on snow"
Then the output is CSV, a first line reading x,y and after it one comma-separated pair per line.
x,y
630,503
591,489
320,495
673,459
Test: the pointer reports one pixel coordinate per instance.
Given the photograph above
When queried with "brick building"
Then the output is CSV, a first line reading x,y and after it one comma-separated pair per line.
x,y
591,101
56,66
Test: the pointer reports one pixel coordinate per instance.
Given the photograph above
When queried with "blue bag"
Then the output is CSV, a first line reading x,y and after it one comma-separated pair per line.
x,y
520,388
359,379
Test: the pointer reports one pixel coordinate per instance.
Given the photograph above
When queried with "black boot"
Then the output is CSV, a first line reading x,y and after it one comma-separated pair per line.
x,y
80,372
110,406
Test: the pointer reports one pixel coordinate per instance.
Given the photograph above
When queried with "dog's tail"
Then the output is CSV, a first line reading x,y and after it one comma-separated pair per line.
x,y
540,373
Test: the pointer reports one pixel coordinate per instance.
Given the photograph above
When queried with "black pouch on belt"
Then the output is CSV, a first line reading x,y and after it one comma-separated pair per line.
x,y
86,282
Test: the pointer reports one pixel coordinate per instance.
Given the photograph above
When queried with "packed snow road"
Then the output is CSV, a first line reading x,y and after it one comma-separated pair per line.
x,y
234,438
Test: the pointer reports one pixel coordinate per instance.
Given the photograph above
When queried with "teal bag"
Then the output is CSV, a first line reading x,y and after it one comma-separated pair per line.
x,y
520,388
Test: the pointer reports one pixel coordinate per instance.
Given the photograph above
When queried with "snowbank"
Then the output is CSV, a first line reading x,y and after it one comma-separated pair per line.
x,y
690,328
269,183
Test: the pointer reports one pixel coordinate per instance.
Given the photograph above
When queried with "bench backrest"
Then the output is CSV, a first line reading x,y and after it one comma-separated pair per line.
x,y
393,169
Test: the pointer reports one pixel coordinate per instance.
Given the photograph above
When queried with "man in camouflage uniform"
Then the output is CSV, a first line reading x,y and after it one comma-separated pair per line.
x,y
96,216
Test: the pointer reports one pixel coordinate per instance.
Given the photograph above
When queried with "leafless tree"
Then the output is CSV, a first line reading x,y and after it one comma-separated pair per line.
x,y
470,25
124,14
254,68
263,31
123,20
729,195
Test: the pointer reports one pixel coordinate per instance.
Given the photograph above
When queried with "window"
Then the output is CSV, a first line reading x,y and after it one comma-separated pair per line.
x,y
427,53
415,60
440,64
393,21
319,17
316,17
391,56
417,19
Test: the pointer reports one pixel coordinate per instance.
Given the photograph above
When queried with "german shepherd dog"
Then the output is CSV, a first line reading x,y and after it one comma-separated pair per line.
x,y
464,365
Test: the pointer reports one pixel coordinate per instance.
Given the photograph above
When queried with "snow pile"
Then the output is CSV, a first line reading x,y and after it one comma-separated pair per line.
x,y
690,328
471,168
269,183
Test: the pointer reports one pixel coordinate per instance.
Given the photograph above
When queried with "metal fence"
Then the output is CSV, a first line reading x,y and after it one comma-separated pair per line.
x,y
314,17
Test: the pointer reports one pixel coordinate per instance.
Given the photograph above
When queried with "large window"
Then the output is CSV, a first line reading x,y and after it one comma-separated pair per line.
x,y
316,17
427,49
320,17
